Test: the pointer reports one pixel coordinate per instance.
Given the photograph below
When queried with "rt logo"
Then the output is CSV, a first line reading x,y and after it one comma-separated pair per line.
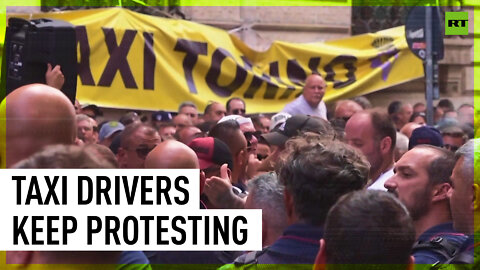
x,y
456,23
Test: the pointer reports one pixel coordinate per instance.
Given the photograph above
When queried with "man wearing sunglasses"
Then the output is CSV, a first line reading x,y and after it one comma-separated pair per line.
x,y
230,133
346,108
251,136
453,138
310,102
136,142
236,106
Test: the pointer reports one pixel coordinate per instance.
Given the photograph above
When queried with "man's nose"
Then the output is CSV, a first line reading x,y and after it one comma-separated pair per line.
x,y
254,140
389,184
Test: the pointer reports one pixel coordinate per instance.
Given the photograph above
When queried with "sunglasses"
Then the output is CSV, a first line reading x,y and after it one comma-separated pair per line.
x,y
260,157
249,135
239,111
453,134
346,119
450,147
214,169
143,150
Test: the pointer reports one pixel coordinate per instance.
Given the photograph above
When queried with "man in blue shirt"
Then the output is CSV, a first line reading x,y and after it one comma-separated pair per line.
x,y
422,182
310,102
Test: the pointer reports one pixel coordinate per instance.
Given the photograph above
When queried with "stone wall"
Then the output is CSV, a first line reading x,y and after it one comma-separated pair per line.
x,y
259,26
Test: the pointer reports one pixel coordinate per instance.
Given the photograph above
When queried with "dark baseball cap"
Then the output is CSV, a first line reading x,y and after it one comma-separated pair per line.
x,y
162,116
95,108
425,135
211,151
294,126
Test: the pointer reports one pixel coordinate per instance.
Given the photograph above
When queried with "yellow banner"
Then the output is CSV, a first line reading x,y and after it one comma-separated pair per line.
x,y
136,61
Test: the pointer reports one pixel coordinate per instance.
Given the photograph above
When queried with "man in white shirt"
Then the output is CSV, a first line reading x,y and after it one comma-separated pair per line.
x,y
310,102
373,133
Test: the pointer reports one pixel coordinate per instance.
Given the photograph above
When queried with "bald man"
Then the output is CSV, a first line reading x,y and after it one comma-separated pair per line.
x,y
37,115
311,101
172,154
346,108
408,128
136,141
181,120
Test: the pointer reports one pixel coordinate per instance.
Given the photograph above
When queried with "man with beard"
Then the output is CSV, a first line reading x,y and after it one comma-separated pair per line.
x,y
422,182
373,133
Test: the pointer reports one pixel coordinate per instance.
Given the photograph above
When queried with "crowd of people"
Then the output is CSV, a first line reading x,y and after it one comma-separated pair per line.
x,y
354,188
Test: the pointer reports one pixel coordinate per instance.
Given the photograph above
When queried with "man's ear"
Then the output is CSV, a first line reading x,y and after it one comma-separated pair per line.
x,y
19,257
440,192
229,172
385,145
476,197
411,263
241,157
321,259
121,154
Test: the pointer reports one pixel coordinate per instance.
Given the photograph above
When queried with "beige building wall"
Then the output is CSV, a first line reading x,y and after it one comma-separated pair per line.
x,y
259,26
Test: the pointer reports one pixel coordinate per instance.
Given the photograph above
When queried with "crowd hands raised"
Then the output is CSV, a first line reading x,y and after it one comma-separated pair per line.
x,y
366,188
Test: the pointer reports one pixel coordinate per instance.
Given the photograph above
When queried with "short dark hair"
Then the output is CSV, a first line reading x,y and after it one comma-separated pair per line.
x,y
368,227
446,103
256,118
317,172
209,107
418,104
440,169
187,104
418,114
394,107
129,130
225,131
232,99
383,125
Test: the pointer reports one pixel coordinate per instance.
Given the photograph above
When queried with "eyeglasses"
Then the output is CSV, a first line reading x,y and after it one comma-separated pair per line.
x,y
249,135
239,111
143,150
260,157
453,134
346,119
450,147
212,170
